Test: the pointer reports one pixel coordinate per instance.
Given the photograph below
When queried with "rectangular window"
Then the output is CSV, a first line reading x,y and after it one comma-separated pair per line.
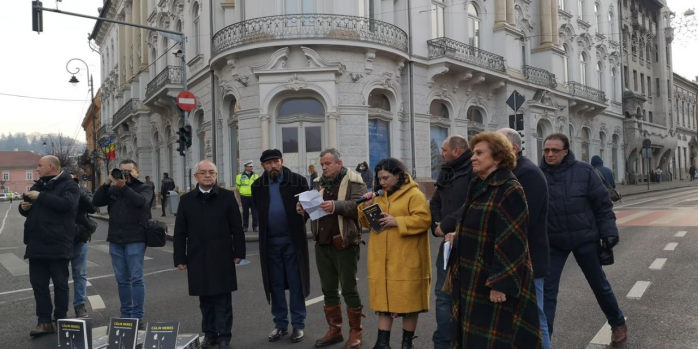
x,y
5,176
657,87
625,76
561,4
649,86
651,117
656,53
668,88
634,80
30,175
642,82
437,21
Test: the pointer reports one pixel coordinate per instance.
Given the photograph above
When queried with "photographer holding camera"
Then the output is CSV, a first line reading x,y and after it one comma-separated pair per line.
x,y
127,200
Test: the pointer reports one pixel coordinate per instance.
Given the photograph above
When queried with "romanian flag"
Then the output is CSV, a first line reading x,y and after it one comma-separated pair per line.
x,y
109,148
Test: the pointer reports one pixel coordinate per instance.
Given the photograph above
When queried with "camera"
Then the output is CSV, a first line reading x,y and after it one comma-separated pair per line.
x,y
26,198
118,173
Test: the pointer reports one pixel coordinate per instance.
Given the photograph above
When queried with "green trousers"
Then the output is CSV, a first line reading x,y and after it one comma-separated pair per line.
x,y
338,268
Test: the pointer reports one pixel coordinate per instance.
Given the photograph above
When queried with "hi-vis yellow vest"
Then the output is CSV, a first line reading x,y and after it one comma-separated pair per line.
x,y
244,183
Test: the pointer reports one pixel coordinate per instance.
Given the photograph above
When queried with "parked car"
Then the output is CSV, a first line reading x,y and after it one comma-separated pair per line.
x,y
4,197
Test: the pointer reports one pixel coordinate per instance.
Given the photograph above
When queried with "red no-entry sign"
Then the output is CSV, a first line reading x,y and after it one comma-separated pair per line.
x,y
186,101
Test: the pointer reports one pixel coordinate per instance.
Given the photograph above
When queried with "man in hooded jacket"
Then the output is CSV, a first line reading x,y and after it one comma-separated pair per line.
x,y
597,162
451,189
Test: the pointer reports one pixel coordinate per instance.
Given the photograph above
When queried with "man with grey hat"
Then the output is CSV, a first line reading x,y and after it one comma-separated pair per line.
x,y
243,183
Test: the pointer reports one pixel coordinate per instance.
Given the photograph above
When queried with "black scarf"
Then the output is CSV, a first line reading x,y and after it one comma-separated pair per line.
x,y
329,182
449,170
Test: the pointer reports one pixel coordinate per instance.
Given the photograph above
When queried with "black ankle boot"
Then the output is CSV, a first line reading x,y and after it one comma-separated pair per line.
x,y
407,337
383,341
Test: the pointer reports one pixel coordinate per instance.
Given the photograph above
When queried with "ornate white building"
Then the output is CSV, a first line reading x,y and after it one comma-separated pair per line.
x,y
372,78
684,111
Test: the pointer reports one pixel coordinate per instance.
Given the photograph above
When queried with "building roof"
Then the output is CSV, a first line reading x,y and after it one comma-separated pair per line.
x,y
18,159
98,25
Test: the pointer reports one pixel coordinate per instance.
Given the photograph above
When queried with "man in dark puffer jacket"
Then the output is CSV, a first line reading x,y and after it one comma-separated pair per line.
x,y
48,234
580,221
128,205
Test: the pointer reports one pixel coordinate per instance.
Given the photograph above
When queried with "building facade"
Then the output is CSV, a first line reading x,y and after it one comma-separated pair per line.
x,y
376,79
17,171
684,112
91,123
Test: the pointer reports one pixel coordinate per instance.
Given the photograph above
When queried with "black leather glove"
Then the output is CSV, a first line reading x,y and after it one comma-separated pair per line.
x,y
609,241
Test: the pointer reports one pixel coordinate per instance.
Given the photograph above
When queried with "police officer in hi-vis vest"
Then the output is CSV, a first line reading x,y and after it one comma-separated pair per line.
x,y
243,183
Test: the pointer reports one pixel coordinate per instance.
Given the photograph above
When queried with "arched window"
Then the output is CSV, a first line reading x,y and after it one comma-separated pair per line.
x,y
197,29
586,140
439,132
571,136
379,118
613,85
583,68
580,9
476,121
170,156
614,156
474,18
597,17
301,123
565,63
233,139
602,145
201,135
540,137
599,75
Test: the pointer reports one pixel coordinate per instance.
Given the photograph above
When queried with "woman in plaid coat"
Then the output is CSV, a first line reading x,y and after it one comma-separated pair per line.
x,y
494,298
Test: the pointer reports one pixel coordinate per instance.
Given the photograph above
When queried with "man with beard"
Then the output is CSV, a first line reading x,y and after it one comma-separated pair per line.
x,y
451,189
127,200
338,236
283,244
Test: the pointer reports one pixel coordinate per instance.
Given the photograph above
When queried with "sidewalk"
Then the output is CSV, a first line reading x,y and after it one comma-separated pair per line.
x,y
250,236
629,190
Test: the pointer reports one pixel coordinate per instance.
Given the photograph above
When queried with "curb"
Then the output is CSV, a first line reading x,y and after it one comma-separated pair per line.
x,y
249,236
653,190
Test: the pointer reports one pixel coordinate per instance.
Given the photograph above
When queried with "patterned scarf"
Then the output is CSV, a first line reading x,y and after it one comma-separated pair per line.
x,y
329,182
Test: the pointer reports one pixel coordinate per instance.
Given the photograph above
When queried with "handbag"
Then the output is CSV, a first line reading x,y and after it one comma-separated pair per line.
x,y
155,233
612,192
337,241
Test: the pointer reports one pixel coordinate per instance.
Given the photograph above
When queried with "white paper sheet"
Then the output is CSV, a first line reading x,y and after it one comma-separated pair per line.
x,y
447,252
311,200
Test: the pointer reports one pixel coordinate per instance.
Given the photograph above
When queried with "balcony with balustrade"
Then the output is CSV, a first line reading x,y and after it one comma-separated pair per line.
x,y
586,100
127,110
445,48
168,80
310,29
539,76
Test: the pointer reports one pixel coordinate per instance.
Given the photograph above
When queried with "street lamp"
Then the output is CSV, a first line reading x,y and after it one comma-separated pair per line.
x,y
74,81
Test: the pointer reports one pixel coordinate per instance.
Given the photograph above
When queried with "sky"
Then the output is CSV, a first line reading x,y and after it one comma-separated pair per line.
x,y
34,65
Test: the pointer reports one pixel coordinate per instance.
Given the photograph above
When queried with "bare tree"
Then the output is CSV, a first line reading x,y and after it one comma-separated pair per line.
x,y
66,149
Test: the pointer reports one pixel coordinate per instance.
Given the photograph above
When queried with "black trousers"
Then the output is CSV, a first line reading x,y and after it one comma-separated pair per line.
x,y
164,204
41,272
217,316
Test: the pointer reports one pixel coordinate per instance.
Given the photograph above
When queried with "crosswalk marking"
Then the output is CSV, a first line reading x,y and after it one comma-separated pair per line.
x,y
96,302
91,264
678,217
681,234
671,246
658,264
638,289
670,217
602,338
632,217
15,265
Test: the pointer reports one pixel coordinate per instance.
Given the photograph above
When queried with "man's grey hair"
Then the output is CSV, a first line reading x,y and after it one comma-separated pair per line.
x,y
458,141
335,153
196,168
512,135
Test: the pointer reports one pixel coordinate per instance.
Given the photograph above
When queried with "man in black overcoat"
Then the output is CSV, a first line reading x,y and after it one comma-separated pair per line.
x,y
208,242
283,243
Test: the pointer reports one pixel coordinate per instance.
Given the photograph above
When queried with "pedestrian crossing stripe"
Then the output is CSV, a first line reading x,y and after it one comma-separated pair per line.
x,y
666,218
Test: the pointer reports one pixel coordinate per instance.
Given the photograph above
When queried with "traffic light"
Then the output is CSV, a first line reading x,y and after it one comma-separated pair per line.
x,y
37,17
186,130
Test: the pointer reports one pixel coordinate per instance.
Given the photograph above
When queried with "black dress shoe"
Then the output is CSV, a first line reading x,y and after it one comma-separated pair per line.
x,y
297,335
277,333
208,342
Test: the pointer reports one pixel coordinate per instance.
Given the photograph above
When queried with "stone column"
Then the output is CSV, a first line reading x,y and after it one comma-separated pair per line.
x,y
122,53
500,13
135,35
265,120
553,17
144,34
128,49
545,24
332,118
511,15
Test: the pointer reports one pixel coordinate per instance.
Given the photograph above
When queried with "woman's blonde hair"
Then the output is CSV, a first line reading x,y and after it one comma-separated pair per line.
x,y
312,170
501,148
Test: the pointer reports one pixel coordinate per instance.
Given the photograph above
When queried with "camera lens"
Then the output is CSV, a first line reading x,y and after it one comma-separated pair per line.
x,y
117,173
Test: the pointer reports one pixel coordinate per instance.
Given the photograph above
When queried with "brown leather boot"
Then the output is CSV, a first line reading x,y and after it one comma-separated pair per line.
x,y
355,329
42,329
334,334
619,333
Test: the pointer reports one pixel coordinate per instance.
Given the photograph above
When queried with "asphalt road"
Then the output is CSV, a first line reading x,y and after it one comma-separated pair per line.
x,y
663,316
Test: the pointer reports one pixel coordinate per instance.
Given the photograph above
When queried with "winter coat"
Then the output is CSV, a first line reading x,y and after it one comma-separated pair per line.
x,y
167,185
351,188
580,210
535,187
129,210
399,258
597,162
491,253
291,185
208,236
451,193
50,226
82,222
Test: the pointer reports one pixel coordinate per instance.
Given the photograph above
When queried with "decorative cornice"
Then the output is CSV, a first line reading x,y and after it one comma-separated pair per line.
x,y
315,59
296,83
273,61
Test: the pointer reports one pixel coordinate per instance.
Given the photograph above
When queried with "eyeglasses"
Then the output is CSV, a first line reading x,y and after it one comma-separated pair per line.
x,y
203,173
552,150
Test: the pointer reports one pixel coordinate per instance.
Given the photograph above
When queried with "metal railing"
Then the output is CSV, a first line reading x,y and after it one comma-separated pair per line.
x,y
445,47
127,109
539,76
169,75
584,91
309,26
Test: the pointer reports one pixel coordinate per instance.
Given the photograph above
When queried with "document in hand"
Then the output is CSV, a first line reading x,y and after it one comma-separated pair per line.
x,y
447,253
311,200
373,213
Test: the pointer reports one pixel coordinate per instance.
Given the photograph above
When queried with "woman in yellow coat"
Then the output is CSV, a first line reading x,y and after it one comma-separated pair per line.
x,y
399,259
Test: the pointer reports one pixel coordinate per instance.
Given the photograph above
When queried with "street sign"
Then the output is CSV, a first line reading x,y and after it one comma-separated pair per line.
x,y
186,101
646,153
646,143
516,122
515,101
